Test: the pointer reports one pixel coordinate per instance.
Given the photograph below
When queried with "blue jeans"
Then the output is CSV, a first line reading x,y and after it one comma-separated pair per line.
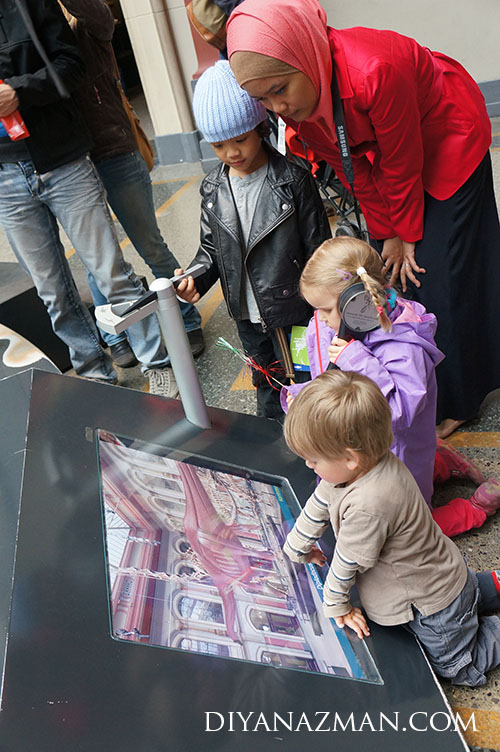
x,y
129,192
30,203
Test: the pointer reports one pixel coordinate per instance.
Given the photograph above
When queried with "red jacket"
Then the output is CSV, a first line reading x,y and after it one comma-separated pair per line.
x,y
416,121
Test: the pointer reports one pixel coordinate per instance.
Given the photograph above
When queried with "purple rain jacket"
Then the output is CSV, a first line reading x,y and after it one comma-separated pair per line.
x,y
402,363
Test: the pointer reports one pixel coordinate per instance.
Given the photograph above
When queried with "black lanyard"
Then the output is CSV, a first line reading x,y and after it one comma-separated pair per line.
x,y
342,140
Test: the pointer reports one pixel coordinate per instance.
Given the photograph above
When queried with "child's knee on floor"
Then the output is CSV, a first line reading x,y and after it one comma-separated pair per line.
x,y
460,646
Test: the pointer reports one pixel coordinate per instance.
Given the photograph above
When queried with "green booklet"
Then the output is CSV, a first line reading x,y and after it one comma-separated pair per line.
x,y
298,348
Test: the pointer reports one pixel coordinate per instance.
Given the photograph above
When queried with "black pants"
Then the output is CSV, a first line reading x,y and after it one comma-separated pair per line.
x,y
460,249
263,347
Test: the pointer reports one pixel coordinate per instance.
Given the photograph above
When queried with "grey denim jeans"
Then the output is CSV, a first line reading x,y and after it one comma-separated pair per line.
x,y
461,645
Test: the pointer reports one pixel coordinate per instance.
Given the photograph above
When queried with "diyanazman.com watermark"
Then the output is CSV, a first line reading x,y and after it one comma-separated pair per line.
x,y
325,720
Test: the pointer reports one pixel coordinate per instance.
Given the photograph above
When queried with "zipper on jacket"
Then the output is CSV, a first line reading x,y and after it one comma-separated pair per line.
x,y
97,95
265,328
269,229
262,322
225,280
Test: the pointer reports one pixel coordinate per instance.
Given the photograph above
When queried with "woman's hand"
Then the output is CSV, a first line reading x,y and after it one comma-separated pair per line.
x,y
400,256
356,621
186,289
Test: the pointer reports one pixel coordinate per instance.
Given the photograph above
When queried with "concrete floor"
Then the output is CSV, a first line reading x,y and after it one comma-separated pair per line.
x,y
227,385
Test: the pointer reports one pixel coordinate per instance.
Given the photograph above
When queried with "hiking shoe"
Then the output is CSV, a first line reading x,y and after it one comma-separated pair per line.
x,y
487,496
196,342
162,382
122,354
458,465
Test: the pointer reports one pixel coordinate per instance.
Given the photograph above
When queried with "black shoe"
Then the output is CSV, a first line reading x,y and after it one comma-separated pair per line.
x,y
197,342
122,354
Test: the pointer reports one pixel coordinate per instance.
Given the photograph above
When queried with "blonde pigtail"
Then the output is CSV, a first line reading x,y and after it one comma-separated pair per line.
x,y
339,262
377,293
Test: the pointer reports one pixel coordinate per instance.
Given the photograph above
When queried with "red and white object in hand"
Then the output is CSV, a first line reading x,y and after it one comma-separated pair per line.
x,y
14,125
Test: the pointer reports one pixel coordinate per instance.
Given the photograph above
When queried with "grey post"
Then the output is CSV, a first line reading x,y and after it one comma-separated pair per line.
x,y
179,350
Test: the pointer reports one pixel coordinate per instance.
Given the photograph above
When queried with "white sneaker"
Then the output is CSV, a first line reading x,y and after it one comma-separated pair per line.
x,y
162,382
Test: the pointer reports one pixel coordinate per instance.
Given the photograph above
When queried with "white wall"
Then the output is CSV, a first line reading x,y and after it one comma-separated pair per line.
x,y
161,66
181,31
467,30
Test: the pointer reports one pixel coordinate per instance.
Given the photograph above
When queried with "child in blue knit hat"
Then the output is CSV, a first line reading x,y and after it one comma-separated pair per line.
x,y
261,219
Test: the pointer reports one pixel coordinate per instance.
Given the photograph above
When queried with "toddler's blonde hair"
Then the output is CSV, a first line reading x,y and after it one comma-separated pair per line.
x,y
334,265
340,410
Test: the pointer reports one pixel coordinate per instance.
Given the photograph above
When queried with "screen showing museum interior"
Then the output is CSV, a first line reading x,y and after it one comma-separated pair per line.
x,y
195,563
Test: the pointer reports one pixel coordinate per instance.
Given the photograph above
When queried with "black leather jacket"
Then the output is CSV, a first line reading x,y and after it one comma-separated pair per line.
x,y
58,134
288,225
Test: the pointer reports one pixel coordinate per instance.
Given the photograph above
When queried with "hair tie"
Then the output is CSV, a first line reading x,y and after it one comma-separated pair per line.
x,y
390,296
361,270
380,310
342,273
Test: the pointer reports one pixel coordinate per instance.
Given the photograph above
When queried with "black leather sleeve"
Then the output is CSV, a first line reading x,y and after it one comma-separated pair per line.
x,y
312,217
206,256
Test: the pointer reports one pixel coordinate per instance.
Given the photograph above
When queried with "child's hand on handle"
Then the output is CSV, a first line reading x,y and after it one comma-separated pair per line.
x,y
289,398
336,347
356,621
186,289
316,556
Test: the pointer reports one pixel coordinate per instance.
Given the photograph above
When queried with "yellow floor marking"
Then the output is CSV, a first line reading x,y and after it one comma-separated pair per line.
x,y
209,304
176,195
475,439
207,307
243,381
166,204
487,724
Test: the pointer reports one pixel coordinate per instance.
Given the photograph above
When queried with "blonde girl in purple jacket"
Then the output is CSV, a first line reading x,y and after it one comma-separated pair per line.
x,y
400,357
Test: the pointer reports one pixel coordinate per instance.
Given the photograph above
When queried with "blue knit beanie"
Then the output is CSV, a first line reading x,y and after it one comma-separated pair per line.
x,y
222,109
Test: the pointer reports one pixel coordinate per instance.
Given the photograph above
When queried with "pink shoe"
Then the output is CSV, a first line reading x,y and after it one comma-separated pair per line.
x,y
487,496
458,465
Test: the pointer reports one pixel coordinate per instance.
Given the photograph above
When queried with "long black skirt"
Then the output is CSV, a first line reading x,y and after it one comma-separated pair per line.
x,y
460,250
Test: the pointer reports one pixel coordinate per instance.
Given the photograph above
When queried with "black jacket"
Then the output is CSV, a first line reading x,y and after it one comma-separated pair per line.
x,y
288,225
99,97
58,134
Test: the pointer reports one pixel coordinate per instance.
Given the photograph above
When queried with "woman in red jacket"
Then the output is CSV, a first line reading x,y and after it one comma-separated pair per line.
x,y
419,134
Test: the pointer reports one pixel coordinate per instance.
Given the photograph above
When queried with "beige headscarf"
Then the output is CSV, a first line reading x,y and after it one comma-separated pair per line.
x,y
247,66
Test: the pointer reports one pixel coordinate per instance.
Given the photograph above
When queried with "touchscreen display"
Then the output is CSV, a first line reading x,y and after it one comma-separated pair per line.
x,y
195,563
